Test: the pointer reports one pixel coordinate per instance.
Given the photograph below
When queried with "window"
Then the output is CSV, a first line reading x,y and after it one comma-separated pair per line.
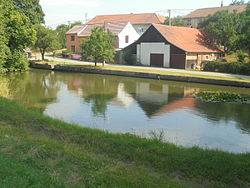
x,y
140,30
126,39
72,38
73,48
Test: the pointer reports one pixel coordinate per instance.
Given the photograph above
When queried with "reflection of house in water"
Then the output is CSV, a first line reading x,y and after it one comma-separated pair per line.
x,y
123,98
156,99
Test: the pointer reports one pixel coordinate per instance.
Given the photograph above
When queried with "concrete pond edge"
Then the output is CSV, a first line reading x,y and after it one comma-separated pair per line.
x,y
140,75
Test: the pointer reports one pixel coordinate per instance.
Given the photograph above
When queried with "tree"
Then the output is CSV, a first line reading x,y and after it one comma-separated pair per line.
x,y
176,21
99,46
16,35
243,42
30,8
61,32
237,2
75,23
222,29
47,40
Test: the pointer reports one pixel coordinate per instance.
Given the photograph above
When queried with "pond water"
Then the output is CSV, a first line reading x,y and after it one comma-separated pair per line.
x,y
139,106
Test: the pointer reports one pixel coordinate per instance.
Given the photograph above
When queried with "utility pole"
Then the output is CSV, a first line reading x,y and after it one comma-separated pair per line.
x,y
86,18
169,17
69,24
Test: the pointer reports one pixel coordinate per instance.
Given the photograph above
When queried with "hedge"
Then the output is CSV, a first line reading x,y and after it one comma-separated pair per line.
x,y
226,67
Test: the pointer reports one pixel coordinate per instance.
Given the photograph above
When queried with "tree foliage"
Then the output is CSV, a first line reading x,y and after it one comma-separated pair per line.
x,y
222,29
243,42
16,35
176,21
99,46
61,31
30,8
47,40
237,2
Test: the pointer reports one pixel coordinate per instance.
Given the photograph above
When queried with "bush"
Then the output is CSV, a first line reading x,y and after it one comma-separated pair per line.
x,y
65,53
241,56
129,58
226,67
16,61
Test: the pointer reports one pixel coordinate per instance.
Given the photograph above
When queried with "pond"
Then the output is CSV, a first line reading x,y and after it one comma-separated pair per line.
x,y
148,108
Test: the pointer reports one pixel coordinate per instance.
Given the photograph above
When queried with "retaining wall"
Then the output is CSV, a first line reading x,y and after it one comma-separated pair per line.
x,y
141,75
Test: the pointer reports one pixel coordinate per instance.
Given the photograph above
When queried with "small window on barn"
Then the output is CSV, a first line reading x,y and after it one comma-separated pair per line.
x,y
73,48
126,39
72,38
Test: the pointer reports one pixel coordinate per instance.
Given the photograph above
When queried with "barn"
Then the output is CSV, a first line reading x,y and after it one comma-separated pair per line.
x,y
172,47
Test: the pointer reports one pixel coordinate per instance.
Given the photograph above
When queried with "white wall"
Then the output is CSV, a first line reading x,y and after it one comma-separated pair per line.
x,y
127,31
145,49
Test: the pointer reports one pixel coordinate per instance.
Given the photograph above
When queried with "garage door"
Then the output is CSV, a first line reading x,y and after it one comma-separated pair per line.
x,y
156,60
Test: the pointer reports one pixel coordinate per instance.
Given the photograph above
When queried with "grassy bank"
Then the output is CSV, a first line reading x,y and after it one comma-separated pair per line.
x,y
143,70
42,152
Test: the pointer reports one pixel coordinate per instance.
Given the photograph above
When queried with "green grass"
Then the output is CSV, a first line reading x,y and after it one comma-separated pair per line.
x,y
143,70
37,151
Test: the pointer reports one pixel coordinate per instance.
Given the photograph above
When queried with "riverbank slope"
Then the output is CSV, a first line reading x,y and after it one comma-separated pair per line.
x,y
36,150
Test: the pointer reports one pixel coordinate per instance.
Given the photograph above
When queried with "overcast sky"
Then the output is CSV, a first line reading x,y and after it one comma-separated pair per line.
x,y
62,11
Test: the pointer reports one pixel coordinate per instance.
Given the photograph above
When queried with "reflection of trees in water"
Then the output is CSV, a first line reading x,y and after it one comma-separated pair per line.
x,y
96,90
226,112
33,89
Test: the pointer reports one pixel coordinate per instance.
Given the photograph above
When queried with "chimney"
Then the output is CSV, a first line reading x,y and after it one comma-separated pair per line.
x,y
222,3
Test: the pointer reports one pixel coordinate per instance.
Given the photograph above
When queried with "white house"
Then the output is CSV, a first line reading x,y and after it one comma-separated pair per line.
x,y
124,32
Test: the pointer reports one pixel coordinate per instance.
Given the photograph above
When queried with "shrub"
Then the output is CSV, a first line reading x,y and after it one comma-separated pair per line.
x,y
226,67
16,61
129,58
241,56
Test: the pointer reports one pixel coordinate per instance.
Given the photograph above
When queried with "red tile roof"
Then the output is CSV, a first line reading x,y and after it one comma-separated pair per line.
x,y
185,38
85,30
202,13
147,18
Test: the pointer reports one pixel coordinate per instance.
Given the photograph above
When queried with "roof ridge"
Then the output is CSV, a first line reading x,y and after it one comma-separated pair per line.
x,y
221,7
124,14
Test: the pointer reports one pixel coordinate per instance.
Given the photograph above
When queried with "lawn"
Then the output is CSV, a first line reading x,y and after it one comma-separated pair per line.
x,y
37,151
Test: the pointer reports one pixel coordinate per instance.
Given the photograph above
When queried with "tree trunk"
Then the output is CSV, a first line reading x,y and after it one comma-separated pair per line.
x,y
43,56
95,63
42,53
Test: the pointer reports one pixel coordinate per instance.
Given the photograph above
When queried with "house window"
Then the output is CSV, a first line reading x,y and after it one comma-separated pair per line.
x,y
72,38
73,48
140,30
126,39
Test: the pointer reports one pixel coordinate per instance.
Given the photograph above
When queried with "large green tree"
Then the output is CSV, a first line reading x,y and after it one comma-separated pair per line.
x,y
222,29
47,40
100,46
16,35
30,8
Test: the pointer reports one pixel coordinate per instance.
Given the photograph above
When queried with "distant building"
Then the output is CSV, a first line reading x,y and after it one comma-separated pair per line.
x,y
173,47
124,32
195,17
141,22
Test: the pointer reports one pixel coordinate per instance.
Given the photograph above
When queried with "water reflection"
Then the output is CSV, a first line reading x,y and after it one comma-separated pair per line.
x,y
140,106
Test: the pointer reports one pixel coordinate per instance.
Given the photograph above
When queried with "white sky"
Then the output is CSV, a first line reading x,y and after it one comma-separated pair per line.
x,y
61,11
